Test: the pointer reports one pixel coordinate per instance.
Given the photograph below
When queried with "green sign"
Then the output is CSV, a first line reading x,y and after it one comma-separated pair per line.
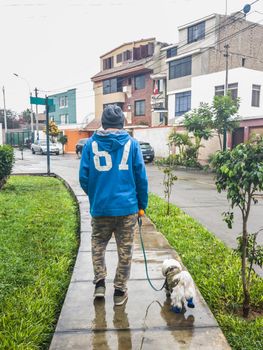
x,y
40,101
52,108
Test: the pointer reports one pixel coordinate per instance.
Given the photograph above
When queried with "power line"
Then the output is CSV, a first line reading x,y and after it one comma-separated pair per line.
x,y
211,30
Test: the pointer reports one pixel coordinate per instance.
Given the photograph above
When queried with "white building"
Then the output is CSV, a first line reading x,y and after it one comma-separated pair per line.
x,y
197,68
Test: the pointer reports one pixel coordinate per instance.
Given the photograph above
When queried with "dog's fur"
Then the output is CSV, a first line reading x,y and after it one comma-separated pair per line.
x,y
179,284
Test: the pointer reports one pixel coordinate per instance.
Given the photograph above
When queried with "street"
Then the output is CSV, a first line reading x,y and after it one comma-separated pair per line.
x,y
194,192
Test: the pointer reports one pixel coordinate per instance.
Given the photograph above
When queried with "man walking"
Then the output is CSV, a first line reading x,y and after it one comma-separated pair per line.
x,y
112,174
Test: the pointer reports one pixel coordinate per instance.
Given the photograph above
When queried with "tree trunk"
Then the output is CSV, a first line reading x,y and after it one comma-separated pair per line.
x,y
246,301
220,142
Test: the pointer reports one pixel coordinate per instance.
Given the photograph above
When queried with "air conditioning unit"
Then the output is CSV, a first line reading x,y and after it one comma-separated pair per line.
x,y
125,89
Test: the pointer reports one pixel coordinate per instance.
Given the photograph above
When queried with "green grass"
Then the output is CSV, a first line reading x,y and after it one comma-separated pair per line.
x,y
216,271
38,246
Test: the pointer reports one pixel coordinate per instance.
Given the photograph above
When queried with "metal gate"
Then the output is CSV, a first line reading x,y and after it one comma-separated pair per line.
x,y
16,138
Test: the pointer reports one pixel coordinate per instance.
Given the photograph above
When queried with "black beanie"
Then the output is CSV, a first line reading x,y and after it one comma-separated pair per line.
x,y
112,117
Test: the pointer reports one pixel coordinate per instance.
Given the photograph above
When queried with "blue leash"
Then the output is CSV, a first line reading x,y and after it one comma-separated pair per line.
x,y
145,258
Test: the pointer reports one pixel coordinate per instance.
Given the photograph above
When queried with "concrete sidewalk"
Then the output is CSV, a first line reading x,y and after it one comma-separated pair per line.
x,y
145,322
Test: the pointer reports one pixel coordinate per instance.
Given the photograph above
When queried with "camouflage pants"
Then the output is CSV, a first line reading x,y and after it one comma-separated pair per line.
x,y
123,229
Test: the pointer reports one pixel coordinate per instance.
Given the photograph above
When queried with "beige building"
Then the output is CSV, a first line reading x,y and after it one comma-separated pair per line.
x,y
127,79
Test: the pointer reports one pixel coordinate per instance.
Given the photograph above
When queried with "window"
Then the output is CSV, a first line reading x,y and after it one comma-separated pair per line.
x,y
196,32
140,107
182,102
219,90
255,95
108,63
180,68
171,52
112,85
119,58
127,55
63,101
143,51
64,119
139,82
233,88
161,117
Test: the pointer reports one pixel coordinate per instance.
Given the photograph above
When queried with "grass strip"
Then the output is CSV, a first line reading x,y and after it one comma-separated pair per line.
x,y
38,246
216,271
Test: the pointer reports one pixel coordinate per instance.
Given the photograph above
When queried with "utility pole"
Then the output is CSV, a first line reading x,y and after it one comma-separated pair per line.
x,y
5,119
47,132
226,55
36,91
31,109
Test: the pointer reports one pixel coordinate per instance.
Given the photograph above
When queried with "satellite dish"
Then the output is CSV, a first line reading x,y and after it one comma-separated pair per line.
x,y
246,9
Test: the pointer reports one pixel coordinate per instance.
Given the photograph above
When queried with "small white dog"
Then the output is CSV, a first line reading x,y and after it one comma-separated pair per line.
x,y
179,285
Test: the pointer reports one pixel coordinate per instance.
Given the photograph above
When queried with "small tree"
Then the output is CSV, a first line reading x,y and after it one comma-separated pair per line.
x,y
180,140
53,130
168,180
6,163
199,122
240,173
63,139
224,115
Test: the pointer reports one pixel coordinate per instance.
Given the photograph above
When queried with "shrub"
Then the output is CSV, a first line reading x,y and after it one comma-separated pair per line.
x,y
6,163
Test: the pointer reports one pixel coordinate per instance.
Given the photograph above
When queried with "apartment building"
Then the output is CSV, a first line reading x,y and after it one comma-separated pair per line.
x,y
196,68
64,111
127,79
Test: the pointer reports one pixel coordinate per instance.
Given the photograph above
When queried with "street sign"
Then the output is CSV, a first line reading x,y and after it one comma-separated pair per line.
x,y
52,108
40,101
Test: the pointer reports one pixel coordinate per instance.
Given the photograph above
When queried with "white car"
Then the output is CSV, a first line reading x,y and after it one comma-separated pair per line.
x,y
41,147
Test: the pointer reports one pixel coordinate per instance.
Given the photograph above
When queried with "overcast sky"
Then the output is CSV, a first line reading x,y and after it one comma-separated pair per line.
x,y
56,44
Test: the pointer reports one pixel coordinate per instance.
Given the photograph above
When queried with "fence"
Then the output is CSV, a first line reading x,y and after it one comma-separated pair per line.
x,y
16,138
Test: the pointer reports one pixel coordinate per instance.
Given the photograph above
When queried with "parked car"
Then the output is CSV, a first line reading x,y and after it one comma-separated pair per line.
x,y
147,151
41,147
80,145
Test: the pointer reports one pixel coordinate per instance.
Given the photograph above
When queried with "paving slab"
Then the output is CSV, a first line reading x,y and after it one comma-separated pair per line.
x,y
146,339
144,307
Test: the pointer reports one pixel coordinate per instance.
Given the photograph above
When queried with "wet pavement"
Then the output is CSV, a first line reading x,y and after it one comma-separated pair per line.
x,y
145,321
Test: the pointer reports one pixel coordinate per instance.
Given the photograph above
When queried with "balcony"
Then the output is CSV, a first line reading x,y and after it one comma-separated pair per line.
x,y
115,97
158,102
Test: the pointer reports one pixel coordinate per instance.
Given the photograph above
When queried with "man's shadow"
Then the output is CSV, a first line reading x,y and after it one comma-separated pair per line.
x,y
120,323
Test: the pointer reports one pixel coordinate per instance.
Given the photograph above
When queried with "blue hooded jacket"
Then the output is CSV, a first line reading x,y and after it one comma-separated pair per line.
x,y
112,173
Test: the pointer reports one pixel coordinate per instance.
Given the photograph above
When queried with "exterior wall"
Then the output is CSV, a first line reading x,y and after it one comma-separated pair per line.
x,y
121,49
142,94
128,99
73,137
203,89
243,45
70,110
210,37
252,126
158,138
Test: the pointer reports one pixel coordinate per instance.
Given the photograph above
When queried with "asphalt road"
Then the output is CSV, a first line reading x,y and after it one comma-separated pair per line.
x,y
193,192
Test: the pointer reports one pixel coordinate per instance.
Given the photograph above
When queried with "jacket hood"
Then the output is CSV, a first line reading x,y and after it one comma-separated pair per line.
x,y
110,141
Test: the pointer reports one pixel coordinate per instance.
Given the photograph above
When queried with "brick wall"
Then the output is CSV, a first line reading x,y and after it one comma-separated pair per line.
x,y
142,94
245,44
